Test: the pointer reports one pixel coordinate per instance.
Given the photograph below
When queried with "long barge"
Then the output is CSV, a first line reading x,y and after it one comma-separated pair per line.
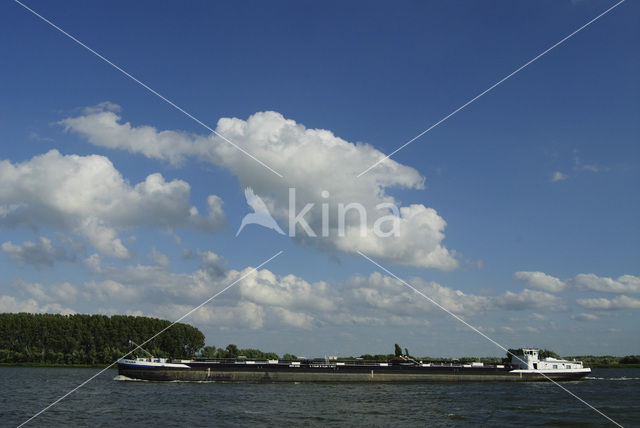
x,y
525,367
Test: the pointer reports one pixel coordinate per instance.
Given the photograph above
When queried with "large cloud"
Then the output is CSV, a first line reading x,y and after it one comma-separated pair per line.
x,y
88,196
321,167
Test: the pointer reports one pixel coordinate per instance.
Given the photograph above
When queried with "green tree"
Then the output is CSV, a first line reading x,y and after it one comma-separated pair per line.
x,y
398,350
544,353
630,359
89,339
208,352
510,353
232,351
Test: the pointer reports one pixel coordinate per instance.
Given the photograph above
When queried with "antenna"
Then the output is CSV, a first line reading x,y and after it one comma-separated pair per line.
x,y
131,342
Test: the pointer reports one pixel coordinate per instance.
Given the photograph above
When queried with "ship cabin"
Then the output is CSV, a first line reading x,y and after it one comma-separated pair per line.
x,y
528,359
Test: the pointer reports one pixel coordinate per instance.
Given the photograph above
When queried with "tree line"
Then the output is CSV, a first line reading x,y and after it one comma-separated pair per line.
x,y
101,339
232,351
90,339
608,360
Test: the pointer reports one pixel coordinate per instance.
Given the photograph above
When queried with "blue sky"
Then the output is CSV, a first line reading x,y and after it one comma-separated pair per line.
x,y
524,204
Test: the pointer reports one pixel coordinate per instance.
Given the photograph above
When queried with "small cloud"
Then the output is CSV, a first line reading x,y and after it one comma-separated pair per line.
x,y
35,137
541,281
537,317
594,168
559,176
623,284
158,258
103,106
52,294
529,299
214,264
188,254
12,305
585,317
619,302
39,254
579,166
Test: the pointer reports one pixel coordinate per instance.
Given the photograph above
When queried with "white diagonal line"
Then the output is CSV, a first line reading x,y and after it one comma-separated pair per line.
x,y
491,87
165,99
151,338
482,334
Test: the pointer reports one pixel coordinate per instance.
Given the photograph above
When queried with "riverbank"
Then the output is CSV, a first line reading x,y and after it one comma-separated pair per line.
x,y
51,365
614,366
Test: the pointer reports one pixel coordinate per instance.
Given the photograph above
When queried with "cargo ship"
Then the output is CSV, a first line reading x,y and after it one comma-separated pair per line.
x,y
525,366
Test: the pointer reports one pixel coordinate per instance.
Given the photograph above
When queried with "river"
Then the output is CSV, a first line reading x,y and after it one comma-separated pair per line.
x,y
110,401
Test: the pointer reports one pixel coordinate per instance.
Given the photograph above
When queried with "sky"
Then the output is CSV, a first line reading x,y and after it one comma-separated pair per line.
x,y
518,214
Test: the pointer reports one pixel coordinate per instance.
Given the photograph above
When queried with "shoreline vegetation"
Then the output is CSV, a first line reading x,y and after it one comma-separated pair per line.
x,y
89,339
96,341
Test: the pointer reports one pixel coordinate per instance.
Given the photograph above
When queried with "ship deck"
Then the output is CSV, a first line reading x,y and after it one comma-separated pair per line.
x,y
253,371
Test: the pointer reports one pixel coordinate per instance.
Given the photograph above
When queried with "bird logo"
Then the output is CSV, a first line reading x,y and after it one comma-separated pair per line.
x,y
261,216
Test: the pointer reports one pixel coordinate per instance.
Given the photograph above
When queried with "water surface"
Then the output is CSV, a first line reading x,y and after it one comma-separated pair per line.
x,y
107,401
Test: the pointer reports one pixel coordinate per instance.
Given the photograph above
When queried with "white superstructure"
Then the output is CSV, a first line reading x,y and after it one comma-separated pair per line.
x,y
527,361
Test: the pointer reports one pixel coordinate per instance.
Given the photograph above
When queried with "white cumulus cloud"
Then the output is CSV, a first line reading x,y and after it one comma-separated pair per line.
x,y
13,305
529,299
628,284
264,298
88,196
541,281
623,284
618,302
322,167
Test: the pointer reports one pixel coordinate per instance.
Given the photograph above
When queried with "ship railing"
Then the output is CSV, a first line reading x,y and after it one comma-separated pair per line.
x,y
314,362
333,363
